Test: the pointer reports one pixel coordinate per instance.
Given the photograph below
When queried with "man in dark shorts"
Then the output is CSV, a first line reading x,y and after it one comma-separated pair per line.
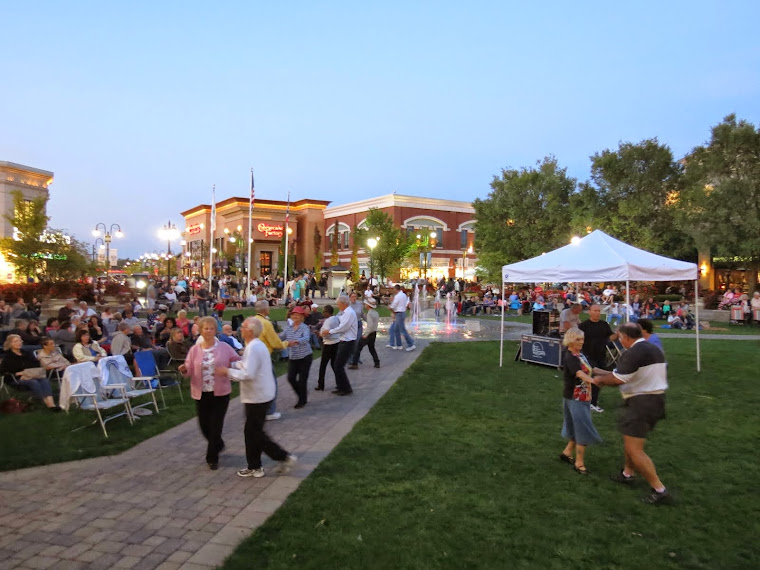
x,y
597,333
642,377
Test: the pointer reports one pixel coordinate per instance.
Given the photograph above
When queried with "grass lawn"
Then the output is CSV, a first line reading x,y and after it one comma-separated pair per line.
x,y
39,437
457,467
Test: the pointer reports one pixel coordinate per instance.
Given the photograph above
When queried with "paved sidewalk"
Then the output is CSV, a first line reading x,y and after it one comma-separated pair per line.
x,y
158,505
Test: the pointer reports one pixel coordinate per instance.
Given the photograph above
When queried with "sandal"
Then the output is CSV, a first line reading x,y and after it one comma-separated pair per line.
x,y
565,458
582,469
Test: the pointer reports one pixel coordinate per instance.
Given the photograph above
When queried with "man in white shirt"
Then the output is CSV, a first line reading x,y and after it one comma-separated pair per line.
x,y
346,331
329,344
84,311
398,308
257,390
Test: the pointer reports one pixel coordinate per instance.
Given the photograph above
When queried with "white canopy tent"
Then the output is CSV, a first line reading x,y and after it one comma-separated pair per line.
x,y
599,257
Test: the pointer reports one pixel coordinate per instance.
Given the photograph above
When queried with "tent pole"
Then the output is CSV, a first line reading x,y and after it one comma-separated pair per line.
x,y
627,301
696,309
503,309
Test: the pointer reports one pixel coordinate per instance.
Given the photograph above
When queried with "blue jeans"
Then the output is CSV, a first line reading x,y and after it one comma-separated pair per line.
x,y
617,318
273,404
392,333
401,330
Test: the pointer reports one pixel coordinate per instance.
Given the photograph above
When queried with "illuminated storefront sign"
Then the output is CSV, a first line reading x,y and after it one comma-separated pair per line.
x,y
271,230
193,229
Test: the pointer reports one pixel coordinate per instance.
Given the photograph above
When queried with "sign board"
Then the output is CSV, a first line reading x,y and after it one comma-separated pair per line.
x,y
268,230
113,257
541,350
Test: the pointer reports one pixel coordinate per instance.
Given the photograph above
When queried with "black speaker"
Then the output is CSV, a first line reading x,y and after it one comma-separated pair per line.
x,y
236,321
541,323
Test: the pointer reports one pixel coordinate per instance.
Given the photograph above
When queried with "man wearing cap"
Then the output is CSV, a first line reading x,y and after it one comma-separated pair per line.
x,y
346,330
370,333
569,318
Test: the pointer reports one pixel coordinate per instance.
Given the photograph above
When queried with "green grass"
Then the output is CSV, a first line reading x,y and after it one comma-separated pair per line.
x,y
456,467
39,437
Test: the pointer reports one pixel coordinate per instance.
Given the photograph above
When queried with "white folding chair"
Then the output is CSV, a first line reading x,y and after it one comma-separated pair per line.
x,y
115,372
81,383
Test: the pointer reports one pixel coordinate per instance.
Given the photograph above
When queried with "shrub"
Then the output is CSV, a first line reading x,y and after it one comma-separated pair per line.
x,y
711,299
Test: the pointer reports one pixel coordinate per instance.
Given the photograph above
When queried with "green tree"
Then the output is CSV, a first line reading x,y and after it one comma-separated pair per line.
x,y
633,185
29,219
317,254
359,239
525,214
66,257
392,247
719,204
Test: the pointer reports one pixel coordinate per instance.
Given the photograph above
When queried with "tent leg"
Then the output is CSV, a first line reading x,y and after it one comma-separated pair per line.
x,y
696,310
503,309
627,301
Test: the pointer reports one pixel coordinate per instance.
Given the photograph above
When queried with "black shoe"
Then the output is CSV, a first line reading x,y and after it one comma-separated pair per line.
x,y
55,408
344,392
299,405
377,365
620,478
222,447
320,388
213,466
656,498
337,391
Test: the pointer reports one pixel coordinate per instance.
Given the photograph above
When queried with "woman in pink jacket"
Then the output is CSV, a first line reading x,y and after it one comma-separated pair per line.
x,y
210,391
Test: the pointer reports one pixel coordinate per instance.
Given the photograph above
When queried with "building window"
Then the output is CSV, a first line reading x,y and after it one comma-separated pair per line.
x,y
345,240
439,237
463,240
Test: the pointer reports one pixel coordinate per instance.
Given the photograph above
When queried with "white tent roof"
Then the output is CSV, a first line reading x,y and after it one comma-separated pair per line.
x,y
598,257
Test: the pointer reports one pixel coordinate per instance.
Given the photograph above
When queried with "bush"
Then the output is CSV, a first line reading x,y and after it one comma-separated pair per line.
x,y
711,299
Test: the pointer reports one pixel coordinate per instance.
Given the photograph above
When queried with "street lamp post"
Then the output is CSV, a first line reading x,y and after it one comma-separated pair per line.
x,y
107,238
371,242
169,232
464,259
95,245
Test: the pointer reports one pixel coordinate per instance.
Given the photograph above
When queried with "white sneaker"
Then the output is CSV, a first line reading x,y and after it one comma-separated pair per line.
x,y
411,348
251,472
274,416
286,465
596,408
398,348
389,346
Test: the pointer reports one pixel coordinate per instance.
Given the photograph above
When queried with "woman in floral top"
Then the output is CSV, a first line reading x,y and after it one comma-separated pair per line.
x,y
299,354
211,391
577,428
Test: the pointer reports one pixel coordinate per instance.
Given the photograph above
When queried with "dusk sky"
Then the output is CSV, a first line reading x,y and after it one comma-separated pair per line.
x,y
140,107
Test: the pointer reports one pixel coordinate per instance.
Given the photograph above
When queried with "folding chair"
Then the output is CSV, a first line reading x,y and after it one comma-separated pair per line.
x,y
614,350
81,383
146,362
114,371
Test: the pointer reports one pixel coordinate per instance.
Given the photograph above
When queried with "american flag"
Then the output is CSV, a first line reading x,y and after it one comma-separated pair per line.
x,y
287,210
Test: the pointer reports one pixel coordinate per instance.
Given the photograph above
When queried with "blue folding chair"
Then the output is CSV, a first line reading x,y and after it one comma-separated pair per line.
x,y
146,362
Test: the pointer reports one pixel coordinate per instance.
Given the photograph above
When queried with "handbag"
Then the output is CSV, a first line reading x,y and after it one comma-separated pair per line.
x,y
32,374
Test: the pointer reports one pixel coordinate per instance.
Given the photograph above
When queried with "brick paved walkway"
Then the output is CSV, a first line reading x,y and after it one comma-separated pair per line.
x,y
157,505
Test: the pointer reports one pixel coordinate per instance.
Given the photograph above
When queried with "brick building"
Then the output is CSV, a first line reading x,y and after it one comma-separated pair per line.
x,y
446,226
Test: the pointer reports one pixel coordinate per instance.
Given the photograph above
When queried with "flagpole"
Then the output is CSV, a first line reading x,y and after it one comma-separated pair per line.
x,y
211,240
250,234
287,220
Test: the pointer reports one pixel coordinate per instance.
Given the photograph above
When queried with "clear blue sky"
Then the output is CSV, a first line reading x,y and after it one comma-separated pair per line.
x,y
139,107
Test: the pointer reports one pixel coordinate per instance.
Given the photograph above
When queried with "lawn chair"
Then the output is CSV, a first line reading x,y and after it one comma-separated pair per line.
x,y
81,383
115,371
737,315
146,362
614,350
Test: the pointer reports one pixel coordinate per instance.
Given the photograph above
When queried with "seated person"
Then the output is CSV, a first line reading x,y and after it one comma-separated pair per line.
x,y
96,328
228,336
52,325
129,318
182,322
675,321
121,344
50,357
163,331
26,371
86,349
177,346
141,341
31,335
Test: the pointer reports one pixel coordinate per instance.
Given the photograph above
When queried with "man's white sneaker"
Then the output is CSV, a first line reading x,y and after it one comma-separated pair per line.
x,y
251,472
274,416
411,348
286,465
398,348
596,408
389,346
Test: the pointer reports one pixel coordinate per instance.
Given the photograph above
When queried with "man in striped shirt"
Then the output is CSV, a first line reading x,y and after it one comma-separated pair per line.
x,y
642,377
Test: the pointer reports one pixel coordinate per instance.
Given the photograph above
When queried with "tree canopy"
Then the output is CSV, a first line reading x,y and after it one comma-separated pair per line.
x,y
392,246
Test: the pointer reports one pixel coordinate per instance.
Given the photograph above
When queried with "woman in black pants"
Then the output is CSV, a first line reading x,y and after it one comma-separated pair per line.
x,y
299,354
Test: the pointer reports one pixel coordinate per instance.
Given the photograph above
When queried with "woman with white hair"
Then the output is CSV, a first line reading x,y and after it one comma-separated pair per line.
x,y
577,427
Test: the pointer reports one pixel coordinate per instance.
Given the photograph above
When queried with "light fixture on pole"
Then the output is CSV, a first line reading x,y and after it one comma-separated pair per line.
x,y
95,245
107,238
169,232
372,243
